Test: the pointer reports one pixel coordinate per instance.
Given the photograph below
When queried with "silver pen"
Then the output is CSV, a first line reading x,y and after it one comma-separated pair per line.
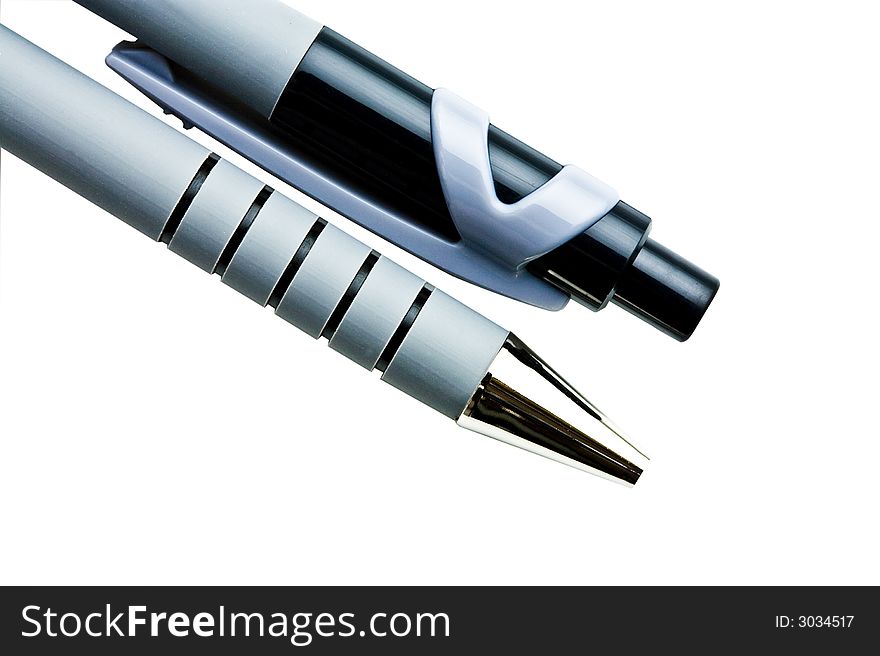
x,y
278,254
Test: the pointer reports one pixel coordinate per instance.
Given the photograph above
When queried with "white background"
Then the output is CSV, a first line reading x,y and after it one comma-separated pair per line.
x,y
156,428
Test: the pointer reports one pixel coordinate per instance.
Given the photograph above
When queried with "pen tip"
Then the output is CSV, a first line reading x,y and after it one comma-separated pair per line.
x,y
542,413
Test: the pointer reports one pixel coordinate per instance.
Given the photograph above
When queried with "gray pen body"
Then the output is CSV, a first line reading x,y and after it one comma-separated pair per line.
x,y
252,47
142,171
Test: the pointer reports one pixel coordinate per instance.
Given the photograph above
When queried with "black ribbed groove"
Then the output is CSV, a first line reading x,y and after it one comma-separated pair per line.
x,y
297,261
404,328
242,230
187,199
353,289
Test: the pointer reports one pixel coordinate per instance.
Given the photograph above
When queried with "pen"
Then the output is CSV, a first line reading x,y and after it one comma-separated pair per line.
x,y
421,167
278,254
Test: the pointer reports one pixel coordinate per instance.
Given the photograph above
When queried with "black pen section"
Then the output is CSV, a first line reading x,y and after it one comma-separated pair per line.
x,y
367,125
615,262
666,290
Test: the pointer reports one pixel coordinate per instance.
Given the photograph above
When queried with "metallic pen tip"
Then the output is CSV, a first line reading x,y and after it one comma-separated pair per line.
x,y
524,402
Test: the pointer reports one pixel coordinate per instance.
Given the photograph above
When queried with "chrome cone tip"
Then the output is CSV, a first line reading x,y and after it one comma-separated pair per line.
x,y
524,402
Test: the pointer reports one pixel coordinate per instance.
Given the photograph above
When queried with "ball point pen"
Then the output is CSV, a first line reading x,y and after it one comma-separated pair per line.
x,y
279,254
420,167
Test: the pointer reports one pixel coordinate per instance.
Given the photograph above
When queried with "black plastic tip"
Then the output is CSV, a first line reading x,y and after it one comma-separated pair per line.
x,y
666,290
615,262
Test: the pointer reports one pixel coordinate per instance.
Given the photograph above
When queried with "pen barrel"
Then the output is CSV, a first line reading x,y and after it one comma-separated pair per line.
x,y
252,47
225,221
90,139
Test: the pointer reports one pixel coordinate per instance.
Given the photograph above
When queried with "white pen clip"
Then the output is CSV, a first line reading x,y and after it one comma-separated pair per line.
x,y
513,234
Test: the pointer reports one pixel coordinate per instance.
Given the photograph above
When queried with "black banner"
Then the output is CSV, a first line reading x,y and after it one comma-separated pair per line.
x,y
435,620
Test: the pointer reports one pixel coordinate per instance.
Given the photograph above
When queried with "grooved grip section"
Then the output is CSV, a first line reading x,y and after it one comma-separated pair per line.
x,y
322,281
446,355
91,140
270,244
214,215
137,168
376,313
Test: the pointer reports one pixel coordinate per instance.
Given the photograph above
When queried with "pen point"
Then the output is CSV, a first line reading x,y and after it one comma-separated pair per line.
x,y
524,402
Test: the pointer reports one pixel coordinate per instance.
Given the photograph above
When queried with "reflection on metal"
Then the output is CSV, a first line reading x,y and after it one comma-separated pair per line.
x,y
524,402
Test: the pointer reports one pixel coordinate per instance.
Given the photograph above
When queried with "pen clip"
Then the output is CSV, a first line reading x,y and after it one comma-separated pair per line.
x,y
512,233
188,99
